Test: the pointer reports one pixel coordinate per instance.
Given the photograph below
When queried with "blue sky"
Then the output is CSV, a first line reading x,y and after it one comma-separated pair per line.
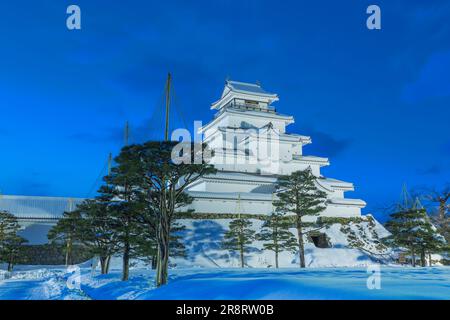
x,y
377,103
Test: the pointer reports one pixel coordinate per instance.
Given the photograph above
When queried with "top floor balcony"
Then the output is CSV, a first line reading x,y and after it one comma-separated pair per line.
x,y
245,107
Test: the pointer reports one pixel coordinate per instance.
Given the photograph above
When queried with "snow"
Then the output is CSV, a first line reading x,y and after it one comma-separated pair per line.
x,y
233,283
210,272
203,240
38,284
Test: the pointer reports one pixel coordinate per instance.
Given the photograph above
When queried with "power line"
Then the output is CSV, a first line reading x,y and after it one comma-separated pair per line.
x,y
100,175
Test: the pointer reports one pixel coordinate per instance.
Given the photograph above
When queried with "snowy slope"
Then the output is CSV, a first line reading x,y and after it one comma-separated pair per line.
x,y
203,239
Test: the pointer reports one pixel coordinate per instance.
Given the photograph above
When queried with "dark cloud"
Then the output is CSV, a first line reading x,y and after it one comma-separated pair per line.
x,y
433,80
432,170
114,135
324,144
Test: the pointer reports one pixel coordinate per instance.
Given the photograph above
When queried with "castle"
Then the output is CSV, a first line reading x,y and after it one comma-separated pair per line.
x,y
251,148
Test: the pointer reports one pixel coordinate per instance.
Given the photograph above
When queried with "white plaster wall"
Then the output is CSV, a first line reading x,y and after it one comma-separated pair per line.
x,y
261,207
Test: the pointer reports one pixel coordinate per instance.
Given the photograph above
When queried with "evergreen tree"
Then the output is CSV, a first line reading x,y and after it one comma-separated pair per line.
x,y
428,239
167,170
97,230
297,193
10,241
276,235
67,232
239,237
443,228
126,202
411,229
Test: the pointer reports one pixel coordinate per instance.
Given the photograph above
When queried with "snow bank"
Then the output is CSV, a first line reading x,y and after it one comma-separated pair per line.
x,y
352,245
215,283
396,283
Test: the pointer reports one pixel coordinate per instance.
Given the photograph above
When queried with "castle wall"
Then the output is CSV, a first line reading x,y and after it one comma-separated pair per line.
x,y
243,206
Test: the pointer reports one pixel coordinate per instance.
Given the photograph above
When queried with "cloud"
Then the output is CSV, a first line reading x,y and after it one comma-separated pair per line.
x,y
432,170
114,135
433,80
324,144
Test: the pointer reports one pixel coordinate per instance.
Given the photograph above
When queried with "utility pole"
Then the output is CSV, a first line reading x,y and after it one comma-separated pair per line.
x,y
239,206
126,133
168,84
109,163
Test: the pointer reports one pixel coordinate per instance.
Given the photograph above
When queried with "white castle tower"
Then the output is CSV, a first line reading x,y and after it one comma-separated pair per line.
x,y
251,148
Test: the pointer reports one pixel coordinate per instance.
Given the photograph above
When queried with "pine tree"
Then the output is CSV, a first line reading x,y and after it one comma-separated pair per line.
x,y
97,230
239,237
126,202
276,235
165,179
10,241
411,229
428,239
67,232
298,194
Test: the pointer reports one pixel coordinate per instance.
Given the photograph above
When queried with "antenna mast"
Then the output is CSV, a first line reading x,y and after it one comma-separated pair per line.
x,y
168,83
109,164
126,133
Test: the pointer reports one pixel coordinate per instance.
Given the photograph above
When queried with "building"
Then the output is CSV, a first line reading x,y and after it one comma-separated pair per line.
x,y
251,148
37,215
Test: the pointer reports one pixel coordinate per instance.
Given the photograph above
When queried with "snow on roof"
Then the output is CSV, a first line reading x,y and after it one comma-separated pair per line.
x,y
346,201
37,207
250,88
336,182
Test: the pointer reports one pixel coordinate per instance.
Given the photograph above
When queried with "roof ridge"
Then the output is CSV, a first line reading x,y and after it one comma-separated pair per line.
x,y
247,83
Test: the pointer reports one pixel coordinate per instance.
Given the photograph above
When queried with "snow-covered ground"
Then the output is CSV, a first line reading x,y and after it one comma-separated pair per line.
x,y
210,272
203,240
250,283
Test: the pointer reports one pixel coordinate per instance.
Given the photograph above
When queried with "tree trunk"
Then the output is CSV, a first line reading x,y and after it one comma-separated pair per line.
x,y
429,259
413,257
126,261
442,209
276,258
241,249
276,246
301,245
11,263
423,263
104,263
163,251
69,251
108,261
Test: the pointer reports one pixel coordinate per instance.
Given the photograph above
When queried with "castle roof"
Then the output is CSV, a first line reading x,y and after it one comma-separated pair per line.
x,y
247,88
246,91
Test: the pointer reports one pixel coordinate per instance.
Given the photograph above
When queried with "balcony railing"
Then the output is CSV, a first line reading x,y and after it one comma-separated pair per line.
x,y
246,107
